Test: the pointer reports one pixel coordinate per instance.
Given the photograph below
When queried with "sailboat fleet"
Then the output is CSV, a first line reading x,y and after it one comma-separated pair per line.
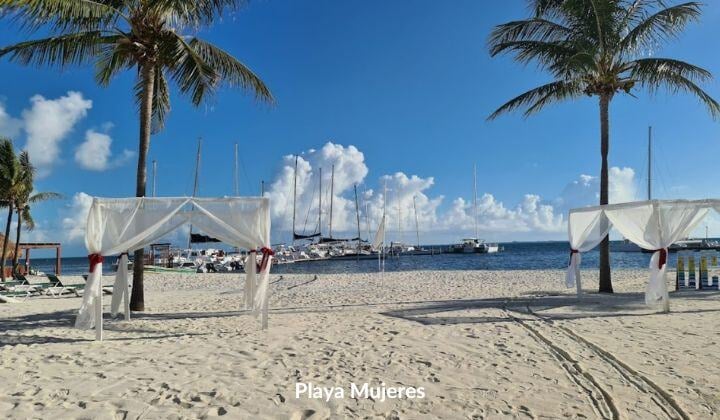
x,y
307,247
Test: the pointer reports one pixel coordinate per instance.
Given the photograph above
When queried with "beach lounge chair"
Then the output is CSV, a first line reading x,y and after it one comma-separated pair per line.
x,y
18,289
59,287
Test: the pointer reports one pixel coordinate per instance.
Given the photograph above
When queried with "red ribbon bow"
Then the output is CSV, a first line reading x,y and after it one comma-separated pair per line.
x,y
95,259
267,253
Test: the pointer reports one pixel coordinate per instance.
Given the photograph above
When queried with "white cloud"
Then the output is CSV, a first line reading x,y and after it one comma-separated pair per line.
x,y
94,153
47,123
9,126
350,169
75,221
532,217
585,191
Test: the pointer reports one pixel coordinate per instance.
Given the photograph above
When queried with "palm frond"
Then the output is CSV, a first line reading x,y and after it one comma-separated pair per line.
x,y
232,72
661,26
651,71
192,74
193,12
113,58
536,99
28,220
62,15
27,170
8,162
674,76
161,101
74,48
44,196
545,53
534,29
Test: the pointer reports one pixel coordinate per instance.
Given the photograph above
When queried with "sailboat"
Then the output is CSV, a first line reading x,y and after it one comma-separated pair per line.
x,y
474,245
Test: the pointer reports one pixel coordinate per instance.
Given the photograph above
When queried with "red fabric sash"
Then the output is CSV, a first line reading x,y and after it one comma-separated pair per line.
x,y
266,254
95,259
663,257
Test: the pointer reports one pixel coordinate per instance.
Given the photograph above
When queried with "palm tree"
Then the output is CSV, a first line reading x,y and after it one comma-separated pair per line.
x,y
600,48
152,37
24,199
13,181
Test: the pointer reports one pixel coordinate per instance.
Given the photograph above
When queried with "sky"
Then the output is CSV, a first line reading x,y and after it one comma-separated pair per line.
x,y
388,92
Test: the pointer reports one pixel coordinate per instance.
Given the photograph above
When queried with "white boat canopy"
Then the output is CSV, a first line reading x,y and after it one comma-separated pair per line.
x,y
652,225
123,225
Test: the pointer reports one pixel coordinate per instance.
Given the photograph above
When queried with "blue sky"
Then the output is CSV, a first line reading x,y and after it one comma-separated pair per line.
x,y
409,85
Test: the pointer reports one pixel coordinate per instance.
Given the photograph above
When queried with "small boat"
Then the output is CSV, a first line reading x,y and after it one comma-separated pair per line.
x,y
474,246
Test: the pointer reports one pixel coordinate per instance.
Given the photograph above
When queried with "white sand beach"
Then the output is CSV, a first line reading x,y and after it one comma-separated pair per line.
x,y
482,344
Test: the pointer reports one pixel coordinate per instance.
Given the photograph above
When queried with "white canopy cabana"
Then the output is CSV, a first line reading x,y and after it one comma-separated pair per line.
x,y
123,225
653,225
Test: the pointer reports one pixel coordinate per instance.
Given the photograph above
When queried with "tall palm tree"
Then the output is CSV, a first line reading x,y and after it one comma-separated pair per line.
x,y
13,182
155,38
24,199
600,48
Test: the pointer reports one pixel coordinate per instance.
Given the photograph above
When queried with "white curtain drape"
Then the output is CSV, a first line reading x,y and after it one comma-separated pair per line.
x,y
652,225
124,225
586,229
655,226
121,290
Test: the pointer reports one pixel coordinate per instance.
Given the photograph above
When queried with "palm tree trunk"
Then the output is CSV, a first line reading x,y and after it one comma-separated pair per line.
x,y
5,240
16,256
137,300
605,280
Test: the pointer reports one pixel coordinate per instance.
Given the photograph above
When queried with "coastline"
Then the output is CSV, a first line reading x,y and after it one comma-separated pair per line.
x,y
484,343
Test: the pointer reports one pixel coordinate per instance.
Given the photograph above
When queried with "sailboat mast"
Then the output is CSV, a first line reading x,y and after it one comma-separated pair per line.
x,y
417,225
400,231
357,216
382,249
195,183
649,185
475,199
320,207
367,219
332,192
236,177
294,199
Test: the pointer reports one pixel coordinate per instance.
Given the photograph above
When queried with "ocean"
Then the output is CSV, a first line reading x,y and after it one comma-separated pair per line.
x,y
517,256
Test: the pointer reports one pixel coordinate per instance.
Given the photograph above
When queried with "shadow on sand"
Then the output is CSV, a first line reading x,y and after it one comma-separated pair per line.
x,y
591,305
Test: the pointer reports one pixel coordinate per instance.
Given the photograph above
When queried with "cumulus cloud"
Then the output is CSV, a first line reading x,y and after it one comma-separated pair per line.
x,y
95,154
585,191
9,126
75,220
350,169
47,123
530,217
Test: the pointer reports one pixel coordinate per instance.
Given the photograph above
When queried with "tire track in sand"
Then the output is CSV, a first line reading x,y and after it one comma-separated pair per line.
x,y
600,399
637,391
639,381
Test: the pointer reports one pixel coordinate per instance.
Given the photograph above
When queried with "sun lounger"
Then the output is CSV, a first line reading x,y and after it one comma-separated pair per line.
x,y
18,289
58,287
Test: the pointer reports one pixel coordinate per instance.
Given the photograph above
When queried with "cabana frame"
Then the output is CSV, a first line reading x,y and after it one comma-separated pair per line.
x,y
118,226
653,225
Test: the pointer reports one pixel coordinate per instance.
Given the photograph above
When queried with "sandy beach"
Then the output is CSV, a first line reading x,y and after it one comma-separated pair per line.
x,y
481,344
